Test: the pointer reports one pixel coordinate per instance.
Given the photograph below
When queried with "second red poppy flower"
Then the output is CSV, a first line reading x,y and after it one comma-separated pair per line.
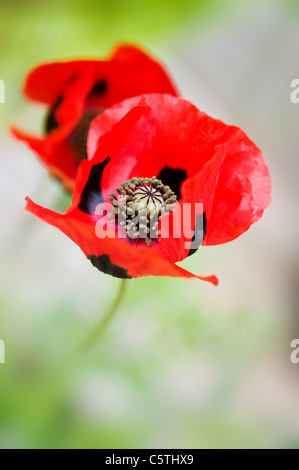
x,y
76,92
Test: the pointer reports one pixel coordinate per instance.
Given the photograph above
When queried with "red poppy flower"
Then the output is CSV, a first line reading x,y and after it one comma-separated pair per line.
x,y
76,93
195,159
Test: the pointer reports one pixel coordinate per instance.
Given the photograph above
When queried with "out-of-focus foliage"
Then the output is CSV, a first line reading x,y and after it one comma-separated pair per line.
x,y
41,29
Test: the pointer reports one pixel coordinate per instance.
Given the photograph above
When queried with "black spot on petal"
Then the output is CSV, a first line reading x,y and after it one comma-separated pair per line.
x,y
78,137
99,88
173,177
50,121
199,233
103,264
92,194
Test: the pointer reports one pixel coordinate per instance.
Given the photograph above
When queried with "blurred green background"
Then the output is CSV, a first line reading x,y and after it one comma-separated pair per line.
x,y
183,364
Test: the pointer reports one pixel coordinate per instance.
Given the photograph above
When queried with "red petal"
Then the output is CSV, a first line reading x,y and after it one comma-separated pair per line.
x,y
127,73
138,261
198,189
130,72
54,151
243,191
110,145
174,134
49,81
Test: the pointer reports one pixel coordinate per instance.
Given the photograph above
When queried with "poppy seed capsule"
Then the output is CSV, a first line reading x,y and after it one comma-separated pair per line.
x,y
139,206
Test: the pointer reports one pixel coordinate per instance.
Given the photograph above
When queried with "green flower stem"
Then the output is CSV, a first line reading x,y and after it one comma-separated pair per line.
x,y
102,325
